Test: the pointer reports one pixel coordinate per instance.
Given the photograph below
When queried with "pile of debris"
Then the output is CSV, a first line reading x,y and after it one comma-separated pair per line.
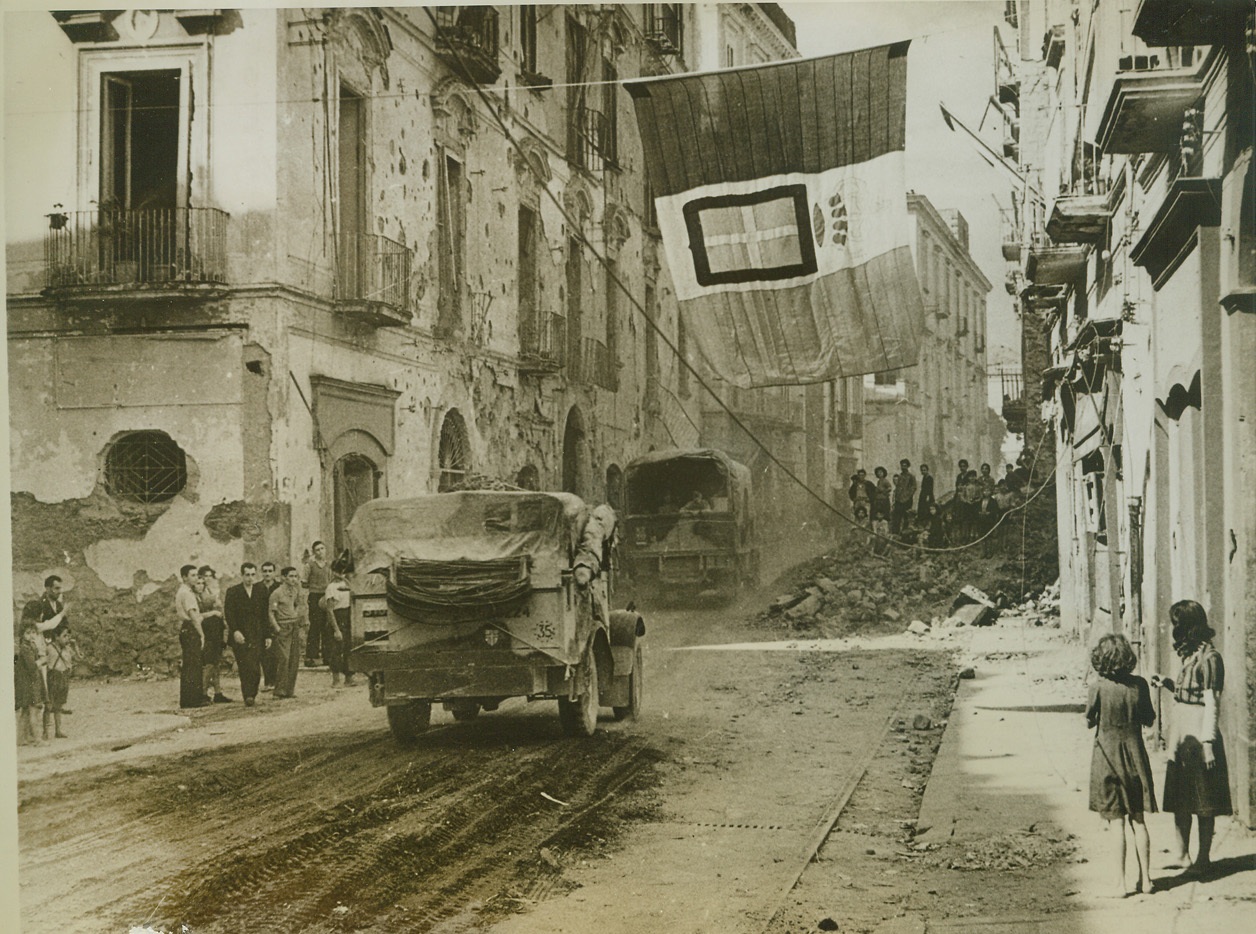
x,y
850,589
1044,609
1033,848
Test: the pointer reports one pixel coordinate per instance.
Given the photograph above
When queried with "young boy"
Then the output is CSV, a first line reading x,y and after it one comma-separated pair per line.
x,y
61,652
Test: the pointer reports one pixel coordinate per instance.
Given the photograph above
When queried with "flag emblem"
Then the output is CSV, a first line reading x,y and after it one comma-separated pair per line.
x,y
757,237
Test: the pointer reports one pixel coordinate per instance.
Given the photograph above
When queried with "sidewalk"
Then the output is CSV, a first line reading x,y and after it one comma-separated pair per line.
x,y
110,716
1016,753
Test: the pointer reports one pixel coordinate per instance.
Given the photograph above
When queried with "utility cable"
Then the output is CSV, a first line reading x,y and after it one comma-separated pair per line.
x,y
575,227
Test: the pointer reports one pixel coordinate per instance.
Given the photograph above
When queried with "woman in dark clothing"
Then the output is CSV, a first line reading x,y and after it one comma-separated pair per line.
x,y
1119,704
1196,780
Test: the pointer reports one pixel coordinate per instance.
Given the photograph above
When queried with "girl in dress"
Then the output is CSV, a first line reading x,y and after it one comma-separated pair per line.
x,y
1196,780
1119,704
30,692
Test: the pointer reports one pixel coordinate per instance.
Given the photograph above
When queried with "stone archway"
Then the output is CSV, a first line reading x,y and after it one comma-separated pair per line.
x,y
576,464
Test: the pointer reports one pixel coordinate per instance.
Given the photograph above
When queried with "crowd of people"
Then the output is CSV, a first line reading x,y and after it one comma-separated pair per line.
x,y
905,507
271,620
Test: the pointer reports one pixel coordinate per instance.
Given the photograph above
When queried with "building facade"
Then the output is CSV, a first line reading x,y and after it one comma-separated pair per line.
x,y
265,265
1137,277
937,412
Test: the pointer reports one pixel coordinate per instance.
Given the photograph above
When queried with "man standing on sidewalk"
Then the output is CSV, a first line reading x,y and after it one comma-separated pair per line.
x,y
289,623
246,607
270,583
316,578
191,641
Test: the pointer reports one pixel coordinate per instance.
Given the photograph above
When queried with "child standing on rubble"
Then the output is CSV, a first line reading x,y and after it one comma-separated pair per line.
x,y
1119,704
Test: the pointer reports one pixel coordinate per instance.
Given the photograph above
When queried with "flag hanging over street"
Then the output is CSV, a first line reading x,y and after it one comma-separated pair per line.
x,y
782,203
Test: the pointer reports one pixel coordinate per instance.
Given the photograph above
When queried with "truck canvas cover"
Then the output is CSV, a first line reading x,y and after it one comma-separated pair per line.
x,y
469,526
648,474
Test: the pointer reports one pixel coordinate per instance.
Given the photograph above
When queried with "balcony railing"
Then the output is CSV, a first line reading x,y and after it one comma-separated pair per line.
x,y
467,41
664,28
373,278
593,138
542,343
158,248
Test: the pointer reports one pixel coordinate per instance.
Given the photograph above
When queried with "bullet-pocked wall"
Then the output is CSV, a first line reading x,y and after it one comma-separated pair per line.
x,y
385,295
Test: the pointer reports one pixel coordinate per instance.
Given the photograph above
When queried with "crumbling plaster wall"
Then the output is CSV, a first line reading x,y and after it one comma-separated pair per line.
x,y
119,559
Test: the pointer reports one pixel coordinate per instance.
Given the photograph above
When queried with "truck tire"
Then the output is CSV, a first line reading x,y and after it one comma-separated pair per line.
x,y
633,710
464,710
579,717
408,720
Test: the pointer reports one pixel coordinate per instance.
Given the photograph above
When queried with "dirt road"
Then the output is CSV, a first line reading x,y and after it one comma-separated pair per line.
x,y
700,816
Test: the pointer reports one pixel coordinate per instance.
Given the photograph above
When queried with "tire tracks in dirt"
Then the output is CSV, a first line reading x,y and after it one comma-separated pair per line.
x,y
458,822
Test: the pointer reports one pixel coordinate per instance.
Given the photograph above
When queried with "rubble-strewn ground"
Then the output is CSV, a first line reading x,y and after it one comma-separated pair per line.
x,y
849,589
697,817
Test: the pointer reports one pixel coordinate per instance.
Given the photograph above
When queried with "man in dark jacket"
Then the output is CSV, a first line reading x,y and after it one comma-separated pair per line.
x,y
904,497
246,609
927,506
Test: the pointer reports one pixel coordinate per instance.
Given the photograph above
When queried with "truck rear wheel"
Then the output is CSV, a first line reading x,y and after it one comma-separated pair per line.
x,y
633,708
464,710
579,717
408,720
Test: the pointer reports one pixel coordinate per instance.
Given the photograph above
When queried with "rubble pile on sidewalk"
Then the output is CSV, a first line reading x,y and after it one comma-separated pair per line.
x,y
850,589
1033,848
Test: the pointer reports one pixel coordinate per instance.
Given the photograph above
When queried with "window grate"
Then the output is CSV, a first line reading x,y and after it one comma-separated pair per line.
x,y
146,467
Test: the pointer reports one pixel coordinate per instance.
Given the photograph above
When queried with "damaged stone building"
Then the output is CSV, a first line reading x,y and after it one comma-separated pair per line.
x,y
265,265
1133,124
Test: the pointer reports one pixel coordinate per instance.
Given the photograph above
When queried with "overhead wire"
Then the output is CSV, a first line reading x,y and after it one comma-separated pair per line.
x,y
574,226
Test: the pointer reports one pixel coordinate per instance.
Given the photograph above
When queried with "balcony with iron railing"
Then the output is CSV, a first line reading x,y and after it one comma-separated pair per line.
x,y
665,28
592,139
373,280
467,41
121,250
542,343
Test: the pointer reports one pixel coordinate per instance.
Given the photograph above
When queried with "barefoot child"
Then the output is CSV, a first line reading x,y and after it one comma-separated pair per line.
x,y
60,667
29,690
1119,704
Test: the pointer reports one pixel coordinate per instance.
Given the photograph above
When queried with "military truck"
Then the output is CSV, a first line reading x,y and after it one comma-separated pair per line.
x,y
466,599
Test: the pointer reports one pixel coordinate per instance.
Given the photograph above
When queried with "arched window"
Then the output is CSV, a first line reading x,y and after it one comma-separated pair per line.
x,y
355,480
575,455
454,453
615,487
145,467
